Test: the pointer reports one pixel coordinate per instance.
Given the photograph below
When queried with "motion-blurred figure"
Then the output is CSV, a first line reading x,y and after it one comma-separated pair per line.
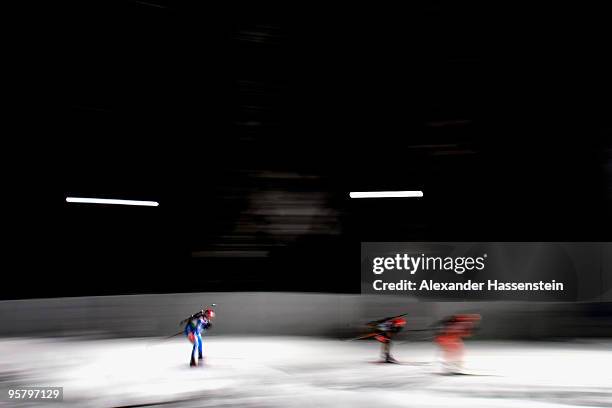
x,y
451,333
384,331
193,330
388,329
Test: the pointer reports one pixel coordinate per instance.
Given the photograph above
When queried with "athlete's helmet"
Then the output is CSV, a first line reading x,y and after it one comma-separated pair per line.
x,y
398,322
468,317
209,313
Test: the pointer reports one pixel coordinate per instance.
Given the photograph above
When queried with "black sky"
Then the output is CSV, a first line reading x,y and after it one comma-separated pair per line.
x,y
250,125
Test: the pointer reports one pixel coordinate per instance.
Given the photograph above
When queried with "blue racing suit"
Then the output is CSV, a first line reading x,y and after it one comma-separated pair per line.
x,y
193,330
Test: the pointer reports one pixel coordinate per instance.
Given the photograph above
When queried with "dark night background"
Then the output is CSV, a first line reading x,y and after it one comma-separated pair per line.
x,y
250,125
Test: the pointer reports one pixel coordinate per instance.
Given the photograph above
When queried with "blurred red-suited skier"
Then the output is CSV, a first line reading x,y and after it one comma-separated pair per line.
x,y
450,339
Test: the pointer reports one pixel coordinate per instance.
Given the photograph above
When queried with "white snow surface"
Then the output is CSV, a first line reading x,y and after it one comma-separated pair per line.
x,y
306,372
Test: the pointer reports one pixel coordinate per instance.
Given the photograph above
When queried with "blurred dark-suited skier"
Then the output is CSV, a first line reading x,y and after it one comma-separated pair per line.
x,y
384,331
387,330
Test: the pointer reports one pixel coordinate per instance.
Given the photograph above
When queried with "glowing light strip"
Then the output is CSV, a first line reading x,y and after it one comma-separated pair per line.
x,y
385,194
85,200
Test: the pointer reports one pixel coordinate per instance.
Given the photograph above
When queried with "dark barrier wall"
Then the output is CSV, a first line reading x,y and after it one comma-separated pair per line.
x,y
291,314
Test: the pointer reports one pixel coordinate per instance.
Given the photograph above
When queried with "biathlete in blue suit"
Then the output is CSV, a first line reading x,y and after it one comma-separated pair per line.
x,y
193,330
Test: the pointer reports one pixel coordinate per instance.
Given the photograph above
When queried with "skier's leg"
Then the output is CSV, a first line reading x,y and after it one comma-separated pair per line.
x,y
459,356
385,348
439,354
389,358
454,356
194,361
200,347
445,343
382,339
